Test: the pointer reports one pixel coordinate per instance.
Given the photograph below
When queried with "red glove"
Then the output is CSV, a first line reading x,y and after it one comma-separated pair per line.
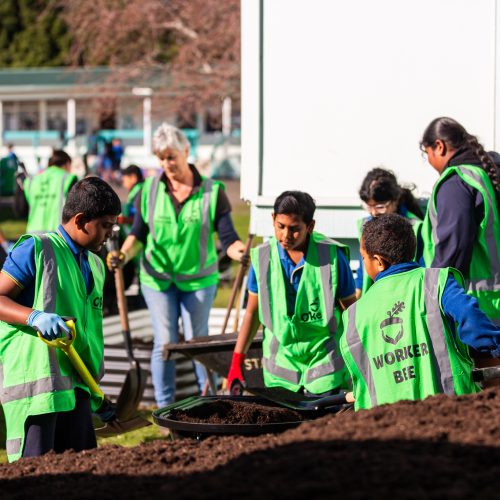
x,y
235,373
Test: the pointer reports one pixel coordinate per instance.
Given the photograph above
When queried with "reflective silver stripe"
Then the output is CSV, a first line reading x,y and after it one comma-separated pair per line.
x,y
265,303
206,272
13,446
325,270
36,387
153,272
491,242
98,262
271,366
433,219
335,363
62,196
205,221
49,275
359,354
153,194
178,277
439,351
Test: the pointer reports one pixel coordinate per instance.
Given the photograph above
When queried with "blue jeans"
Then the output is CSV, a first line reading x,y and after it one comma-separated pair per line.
x,y
165,308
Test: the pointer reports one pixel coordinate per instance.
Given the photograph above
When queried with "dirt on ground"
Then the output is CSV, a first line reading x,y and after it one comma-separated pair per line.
x,y
437,448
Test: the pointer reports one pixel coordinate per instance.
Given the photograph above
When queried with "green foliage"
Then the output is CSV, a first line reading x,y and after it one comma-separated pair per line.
x,y
32,34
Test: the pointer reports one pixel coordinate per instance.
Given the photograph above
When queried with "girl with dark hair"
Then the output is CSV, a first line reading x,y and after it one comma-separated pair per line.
x,y
381,194
462,225
298,283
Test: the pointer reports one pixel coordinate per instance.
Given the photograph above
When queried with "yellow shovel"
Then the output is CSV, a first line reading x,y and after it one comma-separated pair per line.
x,y
65,344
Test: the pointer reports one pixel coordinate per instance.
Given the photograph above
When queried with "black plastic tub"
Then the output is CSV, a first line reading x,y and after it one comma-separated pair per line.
x,y
199,430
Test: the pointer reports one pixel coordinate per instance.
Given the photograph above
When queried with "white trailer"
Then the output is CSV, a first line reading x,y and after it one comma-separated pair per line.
x,y
333,88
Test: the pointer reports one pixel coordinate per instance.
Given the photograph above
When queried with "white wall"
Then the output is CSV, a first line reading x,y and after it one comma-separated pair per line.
x,y
348,86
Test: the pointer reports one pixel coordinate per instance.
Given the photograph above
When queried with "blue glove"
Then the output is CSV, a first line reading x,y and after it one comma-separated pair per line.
x,y
50,326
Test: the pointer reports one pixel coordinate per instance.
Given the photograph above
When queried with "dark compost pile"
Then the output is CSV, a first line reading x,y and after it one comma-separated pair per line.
x,y
233,412
437,448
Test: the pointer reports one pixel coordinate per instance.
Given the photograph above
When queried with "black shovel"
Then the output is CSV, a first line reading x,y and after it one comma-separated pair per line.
x,y
296,401
135,381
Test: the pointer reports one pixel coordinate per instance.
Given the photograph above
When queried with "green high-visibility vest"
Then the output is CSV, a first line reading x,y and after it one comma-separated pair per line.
x,y
36,378
301,350
46,194
179,250
416,223
483,278
398,345
127,207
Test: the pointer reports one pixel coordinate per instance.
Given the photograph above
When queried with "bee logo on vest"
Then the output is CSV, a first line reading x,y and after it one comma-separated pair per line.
x,y
97,303
314,314
393,324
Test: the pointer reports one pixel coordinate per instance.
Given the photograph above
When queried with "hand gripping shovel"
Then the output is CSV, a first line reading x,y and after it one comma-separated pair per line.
x,y
115,427
135,381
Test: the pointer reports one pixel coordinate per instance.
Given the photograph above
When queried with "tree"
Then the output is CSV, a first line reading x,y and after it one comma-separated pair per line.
x,y
193,44
32,34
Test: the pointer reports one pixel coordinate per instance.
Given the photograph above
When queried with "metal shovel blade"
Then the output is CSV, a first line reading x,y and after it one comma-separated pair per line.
x,y
121,426
131,392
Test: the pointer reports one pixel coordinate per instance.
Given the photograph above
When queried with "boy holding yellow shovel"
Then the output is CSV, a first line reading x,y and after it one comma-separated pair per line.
x,y
47,278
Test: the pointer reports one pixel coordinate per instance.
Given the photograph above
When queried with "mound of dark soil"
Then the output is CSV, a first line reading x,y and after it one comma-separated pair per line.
x,y
234,412
437,448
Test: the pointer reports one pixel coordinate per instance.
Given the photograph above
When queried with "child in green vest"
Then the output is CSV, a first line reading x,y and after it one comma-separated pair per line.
x,y
381,193
407,337
45,278
297,283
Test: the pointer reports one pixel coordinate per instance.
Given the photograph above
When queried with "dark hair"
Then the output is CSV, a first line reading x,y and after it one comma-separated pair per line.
x,y
382,185
297,203
93,197
391,236
59,158
454,135
133,170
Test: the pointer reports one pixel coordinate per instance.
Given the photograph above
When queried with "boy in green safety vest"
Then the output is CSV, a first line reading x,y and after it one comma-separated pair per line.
x,y
407,337
298,282
46,193
45,278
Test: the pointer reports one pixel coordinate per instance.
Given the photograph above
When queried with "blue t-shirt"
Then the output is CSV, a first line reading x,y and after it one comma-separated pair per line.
x,y
293,272
473,326
20,266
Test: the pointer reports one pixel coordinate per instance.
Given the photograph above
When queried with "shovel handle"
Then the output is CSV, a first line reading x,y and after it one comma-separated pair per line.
x,y
66,345
486,374
237,284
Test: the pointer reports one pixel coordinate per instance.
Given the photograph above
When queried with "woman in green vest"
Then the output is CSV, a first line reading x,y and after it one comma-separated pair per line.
x,y
45,278
462,224
132,180
176,217
46,193
298,283
408,336
381,194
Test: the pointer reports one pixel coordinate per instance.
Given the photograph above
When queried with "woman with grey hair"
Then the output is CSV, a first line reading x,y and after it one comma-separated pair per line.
x,y
176,216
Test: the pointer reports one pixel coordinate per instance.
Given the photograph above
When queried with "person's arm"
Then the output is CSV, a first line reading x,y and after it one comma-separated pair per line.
x,y
456,225
249,326
10,310
130,248
473,326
